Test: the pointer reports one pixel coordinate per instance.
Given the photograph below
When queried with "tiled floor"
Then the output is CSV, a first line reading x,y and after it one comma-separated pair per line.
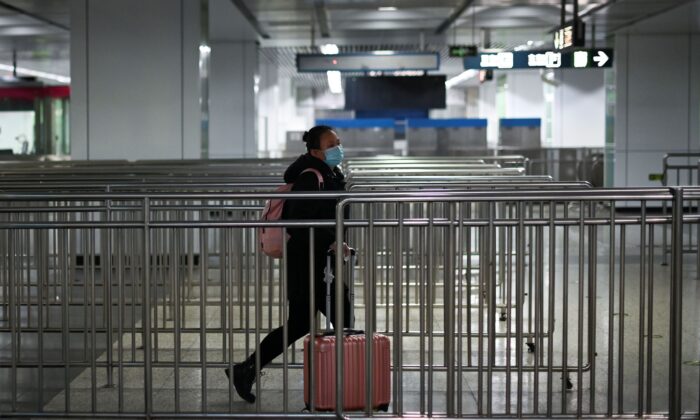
x,y
220,398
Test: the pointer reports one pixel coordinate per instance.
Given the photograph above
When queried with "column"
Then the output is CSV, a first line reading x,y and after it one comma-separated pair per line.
x,y
134,70
232,111
657,101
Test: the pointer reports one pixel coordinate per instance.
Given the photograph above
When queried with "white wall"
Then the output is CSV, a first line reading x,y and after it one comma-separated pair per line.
x,y
694,110
487,109
79,72
694,114
130,61
291,117
232,108
284,107
269,138
579,109
524,95
324,99
657,102
233,121
524,98
192,111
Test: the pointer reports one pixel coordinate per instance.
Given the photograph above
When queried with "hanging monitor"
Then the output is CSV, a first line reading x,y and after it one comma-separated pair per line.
x,y
372,61
386,92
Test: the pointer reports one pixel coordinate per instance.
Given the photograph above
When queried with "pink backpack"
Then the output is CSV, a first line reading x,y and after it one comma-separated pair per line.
x,y
271,242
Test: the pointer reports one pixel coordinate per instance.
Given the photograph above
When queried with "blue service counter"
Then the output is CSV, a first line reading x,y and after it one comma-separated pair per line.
x,y
520,133
364,136
445,136
425,136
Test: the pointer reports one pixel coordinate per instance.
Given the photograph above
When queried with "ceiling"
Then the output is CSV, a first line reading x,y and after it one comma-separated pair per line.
x,y
288,27
38,30
291,20
684,19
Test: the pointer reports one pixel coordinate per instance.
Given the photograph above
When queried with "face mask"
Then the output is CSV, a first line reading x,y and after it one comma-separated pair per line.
x,y
334,156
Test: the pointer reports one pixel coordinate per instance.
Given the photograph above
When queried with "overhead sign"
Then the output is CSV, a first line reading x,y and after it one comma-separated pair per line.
x,y
577,59
568,37
365,62
461,51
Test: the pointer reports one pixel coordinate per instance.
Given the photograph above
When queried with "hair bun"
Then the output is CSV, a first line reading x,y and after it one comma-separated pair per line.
x,y
312,138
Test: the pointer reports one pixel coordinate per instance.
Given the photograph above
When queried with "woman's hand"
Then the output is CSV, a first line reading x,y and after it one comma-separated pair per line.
x,y
346,249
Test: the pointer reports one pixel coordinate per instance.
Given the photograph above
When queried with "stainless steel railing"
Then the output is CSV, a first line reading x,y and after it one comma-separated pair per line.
x,y
587,224
120,281
679,169
576,252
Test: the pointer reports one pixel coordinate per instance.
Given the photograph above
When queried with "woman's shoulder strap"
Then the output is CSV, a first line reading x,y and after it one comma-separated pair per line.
x,y
318,175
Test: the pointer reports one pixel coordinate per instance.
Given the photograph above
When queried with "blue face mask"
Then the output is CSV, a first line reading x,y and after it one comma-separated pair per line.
x,y
334,156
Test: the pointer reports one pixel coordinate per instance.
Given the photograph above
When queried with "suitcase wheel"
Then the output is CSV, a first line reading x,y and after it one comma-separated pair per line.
x,y
384,408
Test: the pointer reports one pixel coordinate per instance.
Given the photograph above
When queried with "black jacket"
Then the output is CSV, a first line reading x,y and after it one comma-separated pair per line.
x,y
333,180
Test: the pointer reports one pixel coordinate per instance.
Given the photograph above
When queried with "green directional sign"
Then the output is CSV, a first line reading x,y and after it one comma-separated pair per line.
x,y
461,51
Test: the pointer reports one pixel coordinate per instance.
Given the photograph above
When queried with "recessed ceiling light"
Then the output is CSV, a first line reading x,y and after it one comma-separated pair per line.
x,y
387,9
329,49
335,82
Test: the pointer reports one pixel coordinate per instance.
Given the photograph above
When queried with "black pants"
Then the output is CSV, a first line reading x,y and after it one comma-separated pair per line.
x,y
299,302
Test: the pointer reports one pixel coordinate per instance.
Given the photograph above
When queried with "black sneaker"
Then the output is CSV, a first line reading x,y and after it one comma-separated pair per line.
x,y
243,380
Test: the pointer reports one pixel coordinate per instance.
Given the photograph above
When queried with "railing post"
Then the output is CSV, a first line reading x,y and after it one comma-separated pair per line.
x,y
664,227
339,304
676,318
146,309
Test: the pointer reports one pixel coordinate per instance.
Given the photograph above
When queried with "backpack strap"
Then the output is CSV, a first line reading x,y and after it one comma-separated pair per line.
x,y
318,176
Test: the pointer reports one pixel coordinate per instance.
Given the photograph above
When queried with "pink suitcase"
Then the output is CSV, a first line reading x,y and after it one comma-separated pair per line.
x,y
354,379
354,354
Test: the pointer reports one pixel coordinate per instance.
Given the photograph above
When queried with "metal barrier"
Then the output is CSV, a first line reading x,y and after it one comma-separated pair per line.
x,y
566,164
562,163
685,171
681,165
413,161
422,283
87,251
237,171
454,341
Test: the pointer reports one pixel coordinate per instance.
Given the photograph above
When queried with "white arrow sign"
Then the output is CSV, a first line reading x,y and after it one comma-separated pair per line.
x,y
601,58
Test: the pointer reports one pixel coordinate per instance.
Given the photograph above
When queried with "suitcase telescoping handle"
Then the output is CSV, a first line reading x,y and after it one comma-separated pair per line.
x,y
328,278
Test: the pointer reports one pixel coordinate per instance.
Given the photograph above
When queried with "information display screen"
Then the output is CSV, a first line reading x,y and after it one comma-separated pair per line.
x,y
376,93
